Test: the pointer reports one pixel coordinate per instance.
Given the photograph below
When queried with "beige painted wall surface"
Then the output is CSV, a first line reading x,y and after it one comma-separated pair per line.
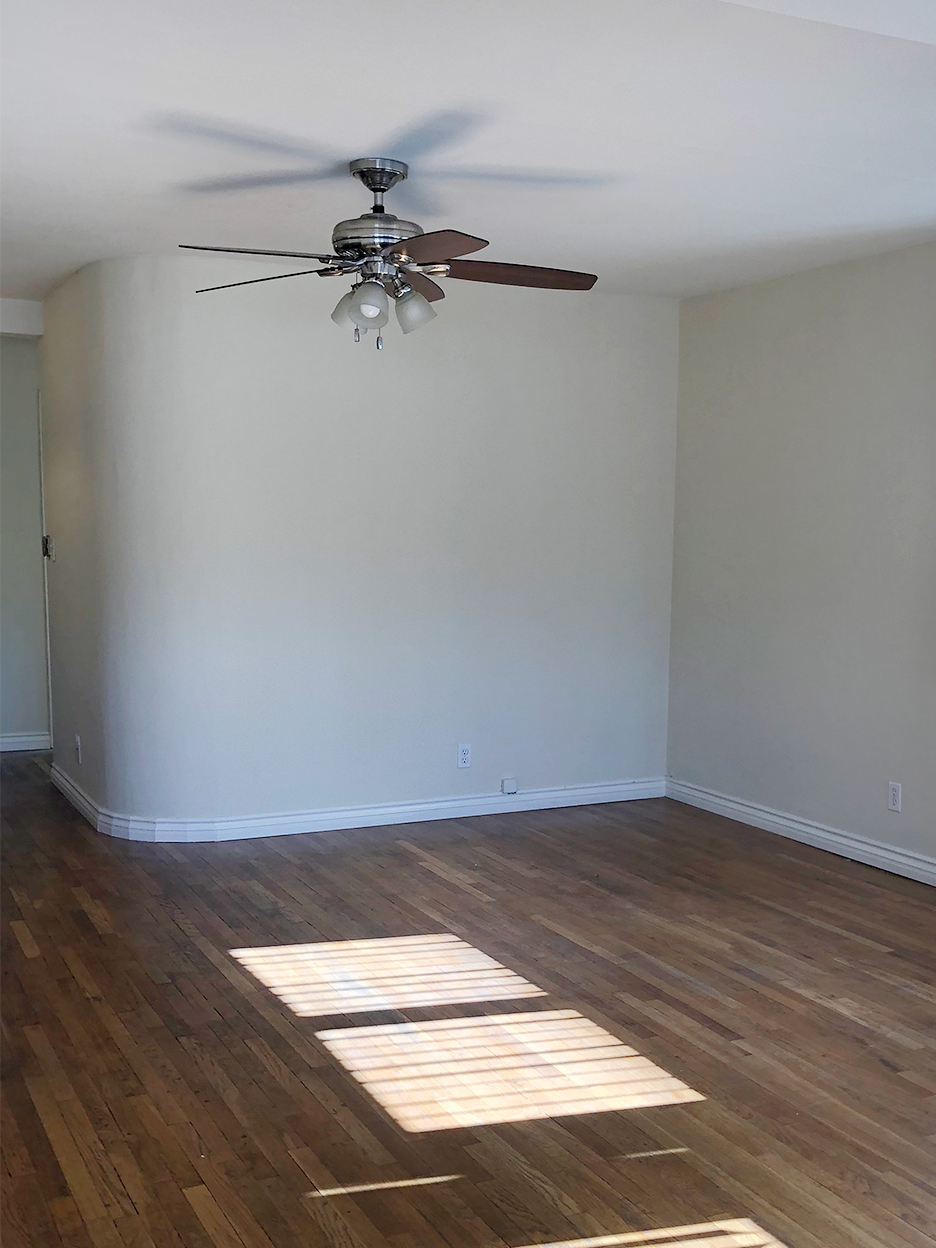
x,y
294,573
803,673
24,706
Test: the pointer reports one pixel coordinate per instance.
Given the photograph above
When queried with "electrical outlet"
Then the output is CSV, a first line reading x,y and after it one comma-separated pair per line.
x,y
509,784
464,756
893,797
78,748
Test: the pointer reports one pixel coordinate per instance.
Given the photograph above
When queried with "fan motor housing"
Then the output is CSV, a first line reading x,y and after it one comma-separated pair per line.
x,y
369,233
378,173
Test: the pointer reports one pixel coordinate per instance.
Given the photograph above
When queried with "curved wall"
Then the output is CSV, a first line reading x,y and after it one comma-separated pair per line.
x,y
293,574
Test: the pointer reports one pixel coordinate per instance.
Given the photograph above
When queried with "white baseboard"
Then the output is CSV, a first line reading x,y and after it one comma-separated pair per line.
x,y
129,827
847,844
76,795
25,741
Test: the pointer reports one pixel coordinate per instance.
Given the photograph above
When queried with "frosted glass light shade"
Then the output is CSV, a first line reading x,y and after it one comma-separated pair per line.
x,y
341,316
369,305
413,310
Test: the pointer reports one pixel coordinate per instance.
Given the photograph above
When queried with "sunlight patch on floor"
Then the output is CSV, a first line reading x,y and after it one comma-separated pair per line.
x,y
382,1187
652,1152
731,1233
465,1072
396,973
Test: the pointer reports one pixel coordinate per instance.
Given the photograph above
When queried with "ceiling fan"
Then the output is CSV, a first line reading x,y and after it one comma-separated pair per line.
x,y
394,259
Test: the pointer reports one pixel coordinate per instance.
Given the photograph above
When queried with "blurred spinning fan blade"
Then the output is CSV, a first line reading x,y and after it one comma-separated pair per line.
x,y
256,181
256,141
526,177
434,132
414,200
442,129
248,137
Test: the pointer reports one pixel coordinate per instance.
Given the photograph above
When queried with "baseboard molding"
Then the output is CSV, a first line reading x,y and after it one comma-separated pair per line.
x,y
76,795
847,844
132,828
25,741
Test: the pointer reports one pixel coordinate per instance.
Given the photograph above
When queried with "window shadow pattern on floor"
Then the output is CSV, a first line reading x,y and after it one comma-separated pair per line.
x,y
448,1073
457,1072
466,1072
393,973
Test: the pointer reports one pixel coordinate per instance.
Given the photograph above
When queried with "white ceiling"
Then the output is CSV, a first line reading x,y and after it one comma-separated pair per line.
x,y
903,19
746,139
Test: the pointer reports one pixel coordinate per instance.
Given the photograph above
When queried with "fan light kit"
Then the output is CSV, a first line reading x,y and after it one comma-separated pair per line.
x,y
394,259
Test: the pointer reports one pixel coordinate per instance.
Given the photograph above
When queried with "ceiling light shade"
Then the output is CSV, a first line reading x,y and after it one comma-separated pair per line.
x,y
341,315
369,305
413,310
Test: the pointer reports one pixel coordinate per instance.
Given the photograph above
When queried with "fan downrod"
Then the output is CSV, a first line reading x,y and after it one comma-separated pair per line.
x,y
369,233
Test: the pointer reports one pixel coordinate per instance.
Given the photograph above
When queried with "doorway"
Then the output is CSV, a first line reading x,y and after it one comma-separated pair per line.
x,y
25,720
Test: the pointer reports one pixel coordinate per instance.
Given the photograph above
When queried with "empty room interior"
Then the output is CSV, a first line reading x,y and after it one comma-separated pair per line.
x,y
468,691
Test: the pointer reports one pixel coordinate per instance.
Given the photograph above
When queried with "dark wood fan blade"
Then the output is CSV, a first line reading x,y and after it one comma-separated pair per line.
x,y
425,286
247,251
520,275
435,247
253,280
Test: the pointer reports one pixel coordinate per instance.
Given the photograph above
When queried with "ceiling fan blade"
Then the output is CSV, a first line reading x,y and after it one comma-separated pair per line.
x,y
424,286
253,280
436,247
520,275
248,137
440,129
249,181
247,251
415,200
528,177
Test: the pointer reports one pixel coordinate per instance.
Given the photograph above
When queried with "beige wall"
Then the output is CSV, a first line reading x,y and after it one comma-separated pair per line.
x,y
803,672
24,709
294,573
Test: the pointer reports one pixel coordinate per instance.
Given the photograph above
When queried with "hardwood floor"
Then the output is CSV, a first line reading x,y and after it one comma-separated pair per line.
x,y
770,1069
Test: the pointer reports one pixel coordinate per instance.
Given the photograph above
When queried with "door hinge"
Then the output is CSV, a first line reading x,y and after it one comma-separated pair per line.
x,y
48,547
